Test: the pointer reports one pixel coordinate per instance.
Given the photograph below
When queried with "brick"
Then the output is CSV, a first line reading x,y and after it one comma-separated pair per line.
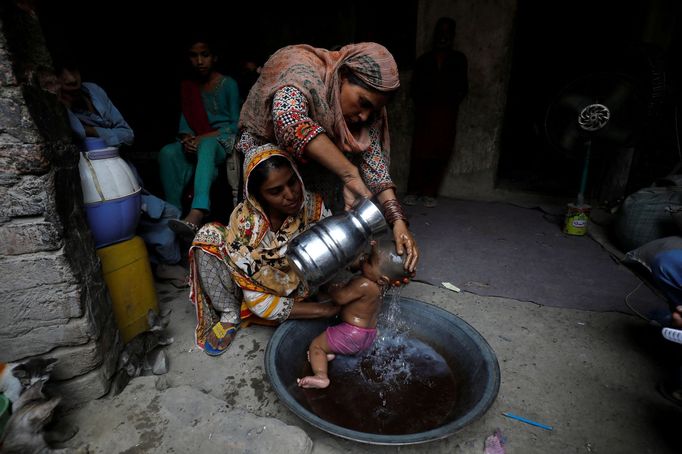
x,y
81,359
16,125
24,309
42,339
34,270
27,197
86,387
28,237
18,159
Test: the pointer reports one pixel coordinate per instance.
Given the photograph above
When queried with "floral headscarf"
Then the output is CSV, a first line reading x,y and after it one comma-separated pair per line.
x,y
255,255
315,72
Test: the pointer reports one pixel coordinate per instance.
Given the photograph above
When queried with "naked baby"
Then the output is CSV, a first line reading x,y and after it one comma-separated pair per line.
x,y
360,301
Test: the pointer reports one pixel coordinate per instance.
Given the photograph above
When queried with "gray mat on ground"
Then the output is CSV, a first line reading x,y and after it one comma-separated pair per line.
x,y
498,249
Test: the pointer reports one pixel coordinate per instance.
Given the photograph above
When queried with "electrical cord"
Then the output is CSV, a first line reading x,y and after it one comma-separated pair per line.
x,y
636,312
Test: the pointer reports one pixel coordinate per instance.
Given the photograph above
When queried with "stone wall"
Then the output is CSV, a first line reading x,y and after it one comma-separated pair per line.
x,y
54,302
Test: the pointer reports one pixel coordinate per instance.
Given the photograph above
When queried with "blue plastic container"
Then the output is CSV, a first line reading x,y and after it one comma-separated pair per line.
x,y
113,221
111,193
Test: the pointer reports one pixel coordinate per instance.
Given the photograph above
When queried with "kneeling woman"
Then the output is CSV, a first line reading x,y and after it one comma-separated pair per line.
x,y
241,270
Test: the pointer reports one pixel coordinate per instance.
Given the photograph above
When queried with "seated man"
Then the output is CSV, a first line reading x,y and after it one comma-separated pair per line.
x,y
92,114
666,270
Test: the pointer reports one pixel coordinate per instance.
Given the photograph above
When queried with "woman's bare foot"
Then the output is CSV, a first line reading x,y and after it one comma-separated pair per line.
x,y
313,381
195,217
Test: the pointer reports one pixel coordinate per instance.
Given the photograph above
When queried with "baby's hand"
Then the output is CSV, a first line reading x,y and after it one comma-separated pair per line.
x,y
404,281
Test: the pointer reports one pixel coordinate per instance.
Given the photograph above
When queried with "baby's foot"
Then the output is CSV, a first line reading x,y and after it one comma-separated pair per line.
x,y
313,381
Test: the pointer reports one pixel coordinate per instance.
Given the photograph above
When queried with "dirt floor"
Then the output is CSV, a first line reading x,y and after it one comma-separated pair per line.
x,y
591,376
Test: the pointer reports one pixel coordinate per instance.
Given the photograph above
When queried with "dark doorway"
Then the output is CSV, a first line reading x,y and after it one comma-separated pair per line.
x,y
560,41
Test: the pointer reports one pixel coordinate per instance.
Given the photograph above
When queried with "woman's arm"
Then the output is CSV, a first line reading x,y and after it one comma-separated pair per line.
x,y
297,133
322,150
120,133
404,241
374,171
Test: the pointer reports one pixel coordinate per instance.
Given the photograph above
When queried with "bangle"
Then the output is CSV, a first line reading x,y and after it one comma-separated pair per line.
x,y
393,212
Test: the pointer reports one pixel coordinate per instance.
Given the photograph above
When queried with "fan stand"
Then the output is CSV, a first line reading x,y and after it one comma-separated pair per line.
x,y
583,180
591,119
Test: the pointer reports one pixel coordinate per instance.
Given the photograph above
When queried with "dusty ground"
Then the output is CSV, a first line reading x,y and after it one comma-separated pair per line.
x,y
590,375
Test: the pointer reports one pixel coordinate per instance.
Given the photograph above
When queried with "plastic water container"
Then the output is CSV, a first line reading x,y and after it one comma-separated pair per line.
x,y
111,194
128,276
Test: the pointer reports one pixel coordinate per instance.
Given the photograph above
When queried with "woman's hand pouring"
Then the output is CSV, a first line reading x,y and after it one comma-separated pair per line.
x,y
353,189
404,243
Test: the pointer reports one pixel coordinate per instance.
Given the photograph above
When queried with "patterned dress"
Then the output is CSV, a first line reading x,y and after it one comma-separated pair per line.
x,y
240,270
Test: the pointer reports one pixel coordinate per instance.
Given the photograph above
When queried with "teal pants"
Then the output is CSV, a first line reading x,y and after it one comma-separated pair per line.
x,y
177,171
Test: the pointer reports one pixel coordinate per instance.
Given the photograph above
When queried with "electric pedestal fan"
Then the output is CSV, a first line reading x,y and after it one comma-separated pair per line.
x,y
593,113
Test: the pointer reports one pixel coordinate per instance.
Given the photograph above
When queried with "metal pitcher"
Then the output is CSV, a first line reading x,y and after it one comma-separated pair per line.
x,y
317,254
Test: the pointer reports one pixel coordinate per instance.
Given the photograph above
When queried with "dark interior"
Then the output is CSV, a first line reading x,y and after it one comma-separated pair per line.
x,y
134,50
557,42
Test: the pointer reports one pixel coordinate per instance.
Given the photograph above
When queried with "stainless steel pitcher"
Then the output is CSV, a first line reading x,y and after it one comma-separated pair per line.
x,y
317,254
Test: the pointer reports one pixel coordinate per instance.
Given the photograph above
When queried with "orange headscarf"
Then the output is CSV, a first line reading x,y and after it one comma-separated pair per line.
x,y
315,72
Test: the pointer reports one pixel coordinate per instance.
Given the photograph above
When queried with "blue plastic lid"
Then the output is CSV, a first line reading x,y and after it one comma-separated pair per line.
x,y
94,143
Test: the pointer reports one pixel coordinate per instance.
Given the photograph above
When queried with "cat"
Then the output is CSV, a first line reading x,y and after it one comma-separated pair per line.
x,y
141,356
15,377
30,413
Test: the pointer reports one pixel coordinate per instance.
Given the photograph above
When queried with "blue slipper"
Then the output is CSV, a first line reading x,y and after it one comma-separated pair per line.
x,y
225,338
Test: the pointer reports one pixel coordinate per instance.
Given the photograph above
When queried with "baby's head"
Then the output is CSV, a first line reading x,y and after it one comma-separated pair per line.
x,y
384,266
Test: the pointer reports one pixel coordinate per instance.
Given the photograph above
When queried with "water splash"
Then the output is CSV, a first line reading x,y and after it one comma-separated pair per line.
x,y
391,321
387,362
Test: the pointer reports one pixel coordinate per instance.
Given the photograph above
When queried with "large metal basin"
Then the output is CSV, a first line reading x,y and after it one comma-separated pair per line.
x,y
457,342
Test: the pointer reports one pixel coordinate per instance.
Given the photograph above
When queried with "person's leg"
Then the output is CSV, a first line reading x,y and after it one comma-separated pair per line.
x,y
175,172
216,282
666,270
317,354
153,228
210,155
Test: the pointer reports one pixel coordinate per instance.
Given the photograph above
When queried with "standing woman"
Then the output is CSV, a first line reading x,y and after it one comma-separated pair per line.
x,y
439,83
208,125
327,109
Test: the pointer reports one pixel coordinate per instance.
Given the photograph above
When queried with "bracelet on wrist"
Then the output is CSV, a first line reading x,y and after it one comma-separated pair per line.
x,y
393,212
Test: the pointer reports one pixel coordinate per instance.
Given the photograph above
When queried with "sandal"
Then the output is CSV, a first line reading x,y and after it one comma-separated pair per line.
x,y
411,199
224,336
184,229
429,202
